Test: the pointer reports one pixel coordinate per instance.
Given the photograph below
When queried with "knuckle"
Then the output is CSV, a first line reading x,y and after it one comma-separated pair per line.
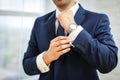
x,y
59,37
52,45
60,47
59,42
51,41
62,52
55,43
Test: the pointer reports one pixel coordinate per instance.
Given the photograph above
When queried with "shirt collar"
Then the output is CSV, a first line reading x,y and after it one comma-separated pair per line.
x,y
74,9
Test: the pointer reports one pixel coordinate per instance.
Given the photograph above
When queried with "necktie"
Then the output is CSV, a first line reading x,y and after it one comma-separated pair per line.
x,y
60,31
59,62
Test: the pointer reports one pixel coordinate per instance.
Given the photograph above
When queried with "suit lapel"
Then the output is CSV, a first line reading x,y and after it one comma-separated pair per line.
x,y
51,26
79,16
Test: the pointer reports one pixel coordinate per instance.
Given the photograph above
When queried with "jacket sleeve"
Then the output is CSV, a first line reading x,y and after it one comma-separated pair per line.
x,y
29,59
99,51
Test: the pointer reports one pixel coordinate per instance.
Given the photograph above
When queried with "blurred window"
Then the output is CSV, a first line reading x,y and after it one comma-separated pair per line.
x,y
16,21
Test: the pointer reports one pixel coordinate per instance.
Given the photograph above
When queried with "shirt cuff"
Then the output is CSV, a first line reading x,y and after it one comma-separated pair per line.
x,y
41,64
75,33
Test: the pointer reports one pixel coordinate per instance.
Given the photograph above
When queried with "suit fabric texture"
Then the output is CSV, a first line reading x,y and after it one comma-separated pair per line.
x,y
94,48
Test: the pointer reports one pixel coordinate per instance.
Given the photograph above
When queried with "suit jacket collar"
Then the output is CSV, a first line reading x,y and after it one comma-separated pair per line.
x,y
79,16
51,25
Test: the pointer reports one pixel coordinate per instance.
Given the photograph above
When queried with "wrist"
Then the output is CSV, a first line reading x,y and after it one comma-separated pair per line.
x,y
46,58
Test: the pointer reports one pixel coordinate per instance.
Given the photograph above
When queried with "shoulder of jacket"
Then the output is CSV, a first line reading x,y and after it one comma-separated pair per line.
x,y
46,16
95,14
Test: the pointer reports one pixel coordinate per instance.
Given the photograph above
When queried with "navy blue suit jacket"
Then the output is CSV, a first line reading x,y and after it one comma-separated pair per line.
x,y
94,48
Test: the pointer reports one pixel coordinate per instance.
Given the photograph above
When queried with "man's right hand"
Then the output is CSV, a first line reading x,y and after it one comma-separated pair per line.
x,y
58,46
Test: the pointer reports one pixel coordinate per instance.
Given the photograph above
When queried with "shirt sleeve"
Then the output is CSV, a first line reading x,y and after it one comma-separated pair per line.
x,y
75,33
41,64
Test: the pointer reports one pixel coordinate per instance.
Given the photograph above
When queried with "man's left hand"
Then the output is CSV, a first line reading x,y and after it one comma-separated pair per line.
x,y
66,18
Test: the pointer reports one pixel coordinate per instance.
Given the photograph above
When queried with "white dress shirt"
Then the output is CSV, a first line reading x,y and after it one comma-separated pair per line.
x,y
39,61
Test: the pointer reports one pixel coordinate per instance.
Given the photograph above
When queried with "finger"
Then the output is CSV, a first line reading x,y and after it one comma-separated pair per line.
x,y
64,51
59,38
62,42
62,47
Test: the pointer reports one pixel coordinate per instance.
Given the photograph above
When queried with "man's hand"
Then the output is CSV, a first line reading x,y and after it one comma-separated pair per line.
x,y
66,18
58,46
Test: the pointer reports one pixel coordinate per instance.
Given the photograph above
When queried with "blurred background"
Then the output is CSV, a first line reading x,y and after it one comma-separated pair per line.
x,y
16,21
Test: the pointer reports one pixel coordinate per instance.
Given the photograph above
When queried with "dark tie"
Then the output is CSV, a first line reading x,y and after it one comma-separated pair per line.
x,y
58,63
60,31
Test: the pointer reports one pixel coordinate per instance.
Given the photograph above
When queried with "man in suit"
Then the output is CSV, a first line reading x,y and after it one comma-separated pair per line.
x,y
70,43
